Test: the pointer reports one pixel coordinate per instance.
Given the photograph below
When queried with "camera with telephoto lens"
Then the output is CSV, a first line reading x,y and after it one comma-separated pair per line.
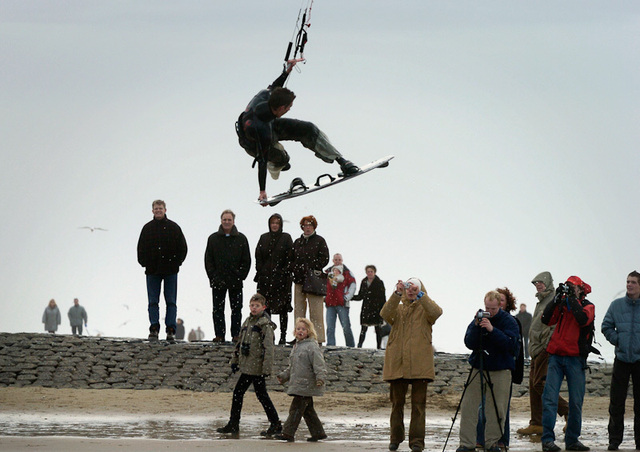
x,y
244,349
482,315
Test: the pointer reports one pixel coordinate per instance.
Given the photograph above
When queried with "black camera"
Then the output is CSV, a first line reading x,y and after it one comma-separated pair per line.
x,y
482,315
565,289
244,349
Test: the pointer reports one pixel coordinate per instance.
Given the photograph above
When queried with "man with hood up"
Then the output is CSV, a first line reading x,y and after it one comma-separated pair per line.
x,y
408,359
273,273
539,335
227,260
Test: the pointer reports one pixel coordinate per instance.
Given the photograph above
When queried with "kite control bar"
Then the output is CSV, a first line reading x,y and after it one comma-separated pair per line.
x,y
299,38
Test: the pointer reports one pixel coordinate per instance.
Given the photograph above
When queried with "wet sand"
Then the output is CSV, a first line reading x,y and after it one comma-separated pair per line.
x,y
107,420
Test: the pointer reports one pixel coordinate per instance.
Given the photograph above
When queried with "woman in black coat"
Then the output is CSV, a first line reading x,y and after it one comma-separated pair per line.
x,y
373,297
273,273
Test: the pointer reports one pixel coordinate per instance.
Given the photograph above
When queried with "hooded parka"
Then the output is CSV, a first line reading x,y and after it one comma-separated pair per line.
x,y
409,353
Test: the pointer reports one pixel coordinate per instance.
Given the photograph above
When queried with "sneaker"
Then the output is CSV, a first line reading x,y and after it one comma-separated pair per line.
x,y
393,446
171,335
550,447
315,439
530,430
153,335
274,429
577,446
612,447
416,448
229,428
218,339
284,437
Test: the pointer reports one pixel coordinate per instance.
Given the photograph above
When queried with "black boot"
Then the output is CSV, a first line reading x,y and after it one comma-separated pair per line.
x,y
274,429
347,167
229,428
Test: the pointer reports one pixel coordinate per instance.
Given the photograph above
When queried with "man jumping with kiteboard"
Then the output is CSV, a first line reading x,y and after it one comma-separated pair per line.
x,y
260,129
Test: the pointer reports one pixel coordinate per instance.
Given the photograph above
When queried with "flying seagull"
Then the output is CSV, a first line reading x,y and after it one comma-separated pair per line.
x,y
92,228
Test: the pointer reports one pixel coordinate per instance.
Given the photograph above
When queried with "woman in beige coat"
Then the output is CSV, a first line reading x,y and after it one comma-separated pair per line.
x,y
408,358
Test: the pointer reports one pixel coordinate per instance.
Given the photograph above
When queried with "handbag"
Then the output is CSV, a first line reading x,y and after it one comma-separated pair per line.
x,y
315,282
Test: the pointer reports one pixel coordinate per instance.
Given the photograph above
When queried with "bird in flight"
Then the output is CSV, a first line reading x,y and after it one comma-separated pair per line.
x,y
92,228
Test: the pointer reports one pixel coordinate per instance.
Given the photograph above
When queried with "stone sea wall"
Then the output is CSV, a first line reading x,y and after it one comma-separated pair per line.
x,y
64,361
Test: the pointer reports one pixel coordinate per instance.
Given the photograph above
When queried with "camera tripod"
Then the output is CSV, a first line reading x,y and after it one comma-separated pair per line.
x,y
478,372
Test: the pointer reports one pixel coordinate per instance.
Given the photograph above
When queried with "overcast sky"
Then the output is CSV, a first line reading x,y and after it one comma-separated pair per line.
x,y
514,127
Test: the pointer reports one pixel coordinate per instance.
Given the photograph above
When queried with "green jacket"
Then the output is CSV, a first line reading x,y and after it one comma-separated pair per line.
x,y
539,333
256,336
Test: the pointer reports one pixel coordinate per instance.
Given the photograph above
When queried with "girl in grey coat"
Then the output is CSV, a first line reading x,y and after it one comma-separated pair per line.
x,y
306,375
51,317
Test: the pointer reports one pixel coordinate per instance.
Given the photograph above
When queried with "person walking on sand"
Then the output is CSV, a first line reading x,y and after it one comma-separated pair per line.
x,y
306,375
253,357
408,359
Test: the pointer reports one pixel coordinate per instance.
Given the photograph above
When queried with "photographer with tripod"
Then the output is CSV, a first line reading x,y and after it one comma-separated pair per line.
x,y
570,343
493,336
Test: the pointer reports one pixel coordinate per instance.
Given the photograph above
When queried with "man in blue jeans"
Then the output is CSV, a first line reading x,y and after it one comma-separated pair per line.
x,y
341,287
573,315
161,250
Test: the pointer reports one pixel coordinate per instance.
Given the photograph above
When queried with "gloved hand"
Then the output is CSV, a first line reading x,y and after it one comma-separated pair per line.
x,y
234,368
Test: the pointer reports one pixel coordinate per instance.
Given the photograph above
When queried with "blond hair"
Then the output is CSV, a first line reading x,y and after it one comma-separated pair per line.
x,y
493,295
310,328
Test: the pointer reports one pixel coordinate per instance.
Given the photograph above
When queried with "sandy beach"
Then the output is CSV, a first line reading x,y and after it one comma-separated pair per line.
x,y
47,419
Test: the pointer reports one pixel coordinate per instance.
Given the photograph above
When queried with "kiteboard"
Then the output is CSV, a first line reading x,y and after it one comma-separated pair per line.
x,y
298,187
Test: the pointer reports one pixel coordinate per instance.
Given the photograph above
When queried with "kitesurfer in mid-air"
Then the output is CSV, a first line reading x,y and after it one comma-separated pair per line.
x,y
260,129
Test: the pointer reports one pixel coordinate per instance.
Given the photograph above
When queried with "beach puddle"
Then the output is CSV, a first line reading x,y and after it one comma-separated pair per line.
x,y
179,427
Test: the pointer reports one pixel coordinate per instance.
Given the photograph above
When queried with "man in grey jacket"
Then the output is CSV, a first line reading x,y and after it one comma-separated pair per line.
x,y
539,336
621,327
77,317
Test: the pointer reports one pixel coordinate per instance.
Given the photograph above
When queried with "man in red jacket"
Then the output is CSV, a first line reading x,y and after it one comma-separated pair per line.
x,y
573,316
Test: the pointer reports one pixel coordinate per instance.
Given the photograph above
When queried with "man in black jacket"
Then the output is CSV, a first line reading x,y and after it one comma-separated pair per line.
x,y
227,260
261,126
161,250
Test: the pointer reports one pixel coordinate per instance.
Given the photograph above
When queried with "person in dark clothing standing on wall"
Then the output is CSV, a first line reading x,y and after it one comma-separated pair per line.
x,y
273,272
161,250
227,260
260,129
372,295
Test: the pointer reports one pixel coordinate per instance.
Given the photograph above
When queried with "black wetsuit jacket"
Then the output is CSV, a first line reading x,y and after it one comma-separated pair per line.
x,y
255,128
